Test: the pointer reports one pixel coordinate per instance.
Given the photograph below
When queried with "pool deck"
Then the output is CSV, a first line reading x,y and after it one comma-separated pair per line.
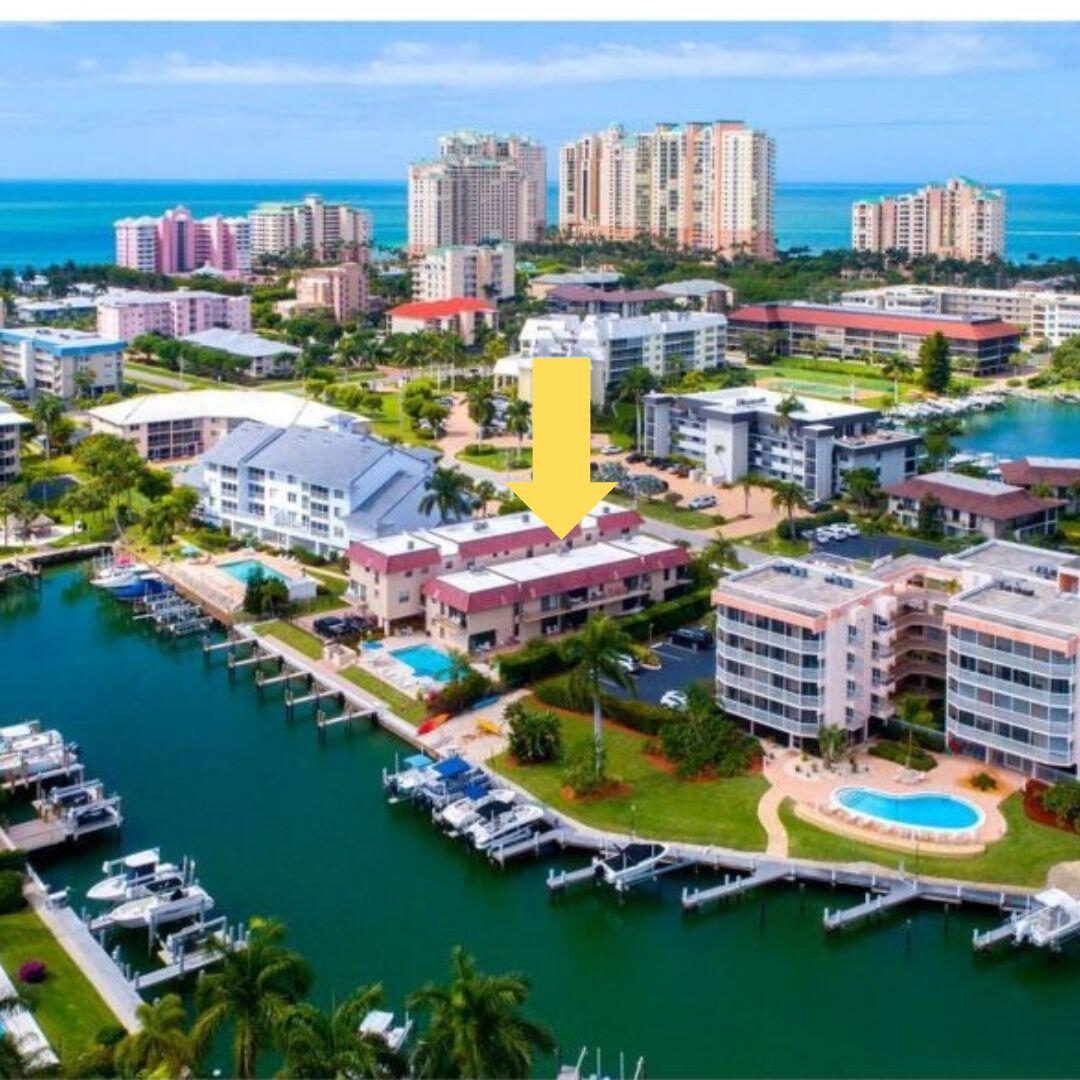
x,y
810,786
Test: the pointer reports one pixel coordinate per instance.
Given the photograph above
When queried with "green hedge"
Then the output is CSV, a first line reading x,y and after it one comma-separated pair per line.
x,y
898,752
640,715
13,860
537,660
826,517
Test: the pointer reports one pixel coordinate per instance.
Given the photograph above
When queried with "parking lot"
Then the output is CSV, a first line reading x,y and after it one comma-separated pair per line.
x,y
876,547
680,667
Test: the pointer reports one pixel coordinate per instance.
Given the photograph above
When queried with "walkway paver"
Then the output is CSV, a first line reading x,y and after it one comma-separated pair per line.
x,y
768,813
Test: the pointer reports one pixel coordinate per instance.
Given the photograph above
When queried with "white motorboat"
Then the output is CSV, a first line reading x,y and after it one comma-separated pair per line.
x,y
15,736
403,783
116,577
463,812
522,816
628,863
37,753
379,1025
183,902
125,878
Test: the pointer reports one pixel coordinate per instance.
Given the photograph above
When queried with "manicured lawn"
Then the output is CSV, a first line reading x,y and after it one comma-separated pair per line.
x,y
1022,857
722,812
300,640
66,1006
406,707
496,457
772,544
672,515
388,424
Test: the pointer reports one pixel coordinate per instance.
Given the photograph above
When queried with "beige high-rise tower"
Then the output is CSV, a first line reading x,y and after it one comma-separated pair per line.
x,y
481,187
698,185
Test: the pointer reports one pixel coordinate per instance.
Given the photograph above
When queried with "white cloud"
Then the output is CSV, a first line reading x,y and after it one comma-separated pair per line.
x,y
927,54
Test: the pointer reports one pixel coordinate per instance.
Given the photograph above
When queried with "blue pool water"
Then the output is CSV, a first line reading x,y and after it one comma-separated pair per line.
x,y
425,660
244,568
928,810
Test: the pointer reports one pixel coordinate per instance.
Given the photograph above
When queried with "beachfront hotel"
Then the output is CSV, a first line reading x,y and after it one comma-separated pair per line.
x,y
550,594
182,425
963,505
703,186
478,271
732,432
482,187
977,345
67,363
387,574
994,631
124,314
316,488
958,220
179,243
312,227
1050,316
341,290
663,342
11,425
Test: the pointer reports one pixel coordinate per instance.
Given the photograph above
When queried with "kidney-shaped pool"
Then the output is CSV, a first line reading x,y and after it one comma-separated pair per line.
x,y
919,810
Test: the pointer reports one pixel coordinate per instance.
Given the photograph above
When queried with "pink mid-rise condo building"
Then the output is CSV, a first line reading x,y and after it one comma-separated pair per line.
x,y
125,314
179,243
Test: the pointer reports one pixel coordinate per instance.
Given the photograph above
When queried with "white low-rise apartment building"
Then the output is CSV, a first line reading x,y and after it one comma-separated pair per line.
x,y
319,489
67,363
185,424
1046,315
479,271
664,342
732,432
387,574
11,425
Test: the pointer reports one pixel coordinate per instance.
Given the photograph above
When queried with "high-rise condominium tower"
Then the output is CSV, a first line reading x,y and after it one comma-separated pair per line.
x,y
698,185
481,187
961,220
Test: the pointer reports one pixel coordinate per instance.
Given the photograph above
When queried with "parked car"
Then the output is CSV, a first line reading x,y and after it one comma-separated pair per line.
x,y
701,502
682,471
656,462
691,637
330,626
635,457
611,448
853,529
628,663
674,699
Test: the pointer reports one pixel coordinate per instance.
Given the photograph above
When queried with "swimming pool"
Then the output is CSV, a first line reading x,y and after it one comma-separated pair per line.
x,y
243,569
919,810
425,660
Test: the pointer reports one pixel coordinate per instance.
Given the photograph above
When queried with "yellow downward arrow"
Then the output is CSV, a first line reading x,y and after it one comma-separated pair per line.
x,y
560,491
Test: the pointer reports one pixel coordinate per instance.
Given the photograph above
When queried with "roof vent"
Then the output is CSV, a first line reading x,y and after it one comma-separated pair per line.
x,y
409,545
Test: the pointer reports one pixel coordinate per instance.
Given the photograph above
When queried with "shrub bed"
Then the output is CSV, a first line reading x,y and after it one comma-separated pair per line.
x,y
11,894
639,715
788,530
898,752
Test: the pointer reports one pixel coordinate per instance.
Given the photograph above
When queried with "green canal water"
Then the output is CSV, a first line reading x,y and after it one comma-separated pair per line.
x,y
283,825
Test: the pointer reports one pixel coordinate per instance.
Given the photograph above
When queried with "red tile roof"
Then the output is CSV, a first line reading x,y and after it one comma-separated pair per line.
x,y
371,559
1007,505
1024,472
436,309
771,315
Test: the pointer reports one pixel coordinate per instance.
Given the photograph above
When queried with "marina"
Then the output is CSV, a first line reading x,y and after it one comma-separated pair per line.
x,y
258,858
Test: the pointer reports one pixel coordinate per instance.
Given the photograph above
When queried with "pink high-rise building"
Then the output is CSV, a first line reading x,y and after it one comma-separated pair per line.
x,y
178,243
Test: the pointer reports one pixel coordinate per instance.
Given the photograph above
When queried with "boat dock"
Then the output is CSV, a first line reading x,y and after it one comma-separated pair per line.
x,y
190,950
1051,918
693,899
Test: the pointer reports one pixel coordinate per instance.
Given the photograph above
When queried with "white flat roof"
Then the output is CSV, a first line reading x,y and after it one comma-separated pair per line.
x,y
272,407
739,399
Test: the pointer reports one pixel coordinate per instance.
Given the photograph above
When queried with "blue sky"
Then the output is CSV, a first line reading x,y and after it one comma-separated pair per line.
x,y
855,102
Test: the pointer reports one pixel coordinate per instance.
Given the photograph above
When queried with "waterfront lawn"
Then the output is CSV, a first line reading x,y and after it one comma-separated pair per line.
x,y
409,709
299,639
1021,857
65,1005
671,515
657,804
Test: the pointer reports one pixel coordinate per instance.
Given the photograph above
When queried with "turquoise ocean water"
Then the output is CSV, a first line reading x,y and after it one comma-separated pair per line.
x,y
47,221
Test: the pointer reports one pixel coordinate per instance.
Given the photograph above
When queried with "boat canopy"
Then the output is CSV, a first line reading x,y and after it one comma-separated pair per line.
x,y
452,767
474,791
418,761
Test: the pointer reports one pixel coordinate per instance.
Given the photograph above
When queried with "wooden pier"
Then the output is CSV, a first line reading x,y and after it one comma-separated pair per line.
x,y
895,894
24,780
693,899
39,835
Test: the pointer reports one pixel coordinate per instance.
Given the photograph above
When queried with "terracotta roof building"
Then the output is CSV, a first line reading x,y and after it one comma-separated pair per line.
x,y
968,505
977,345
586,300
459,315
1060,475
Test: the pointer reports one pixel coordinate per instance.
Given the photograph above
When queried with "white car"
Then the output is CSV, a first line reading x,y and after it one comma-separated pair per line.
x,y
628,663
823,534
701,502
674,699
611,448
853,530
838,532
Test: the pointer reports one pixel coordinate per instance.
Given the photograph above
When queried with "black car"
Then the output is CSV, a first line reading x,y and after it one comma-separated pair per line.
x,y
691,637
330,626
656,462
635,458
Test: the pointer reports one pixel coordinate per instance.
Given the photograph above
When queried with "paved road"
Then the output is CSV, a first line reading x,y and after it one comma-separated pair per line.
x,y
680,667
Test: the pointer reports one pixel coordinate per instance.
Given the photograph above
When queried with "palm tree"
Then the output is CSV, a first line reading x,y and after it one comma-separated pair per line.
x,y
17,1060
12,496
477,1028
721,551
594,655
484,491
161,1044
789,497
748,481
317,1044
937,441
519,420
896,367
48,408
634,385
252,989
863,485
787,408
449,492
481,408
831,742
